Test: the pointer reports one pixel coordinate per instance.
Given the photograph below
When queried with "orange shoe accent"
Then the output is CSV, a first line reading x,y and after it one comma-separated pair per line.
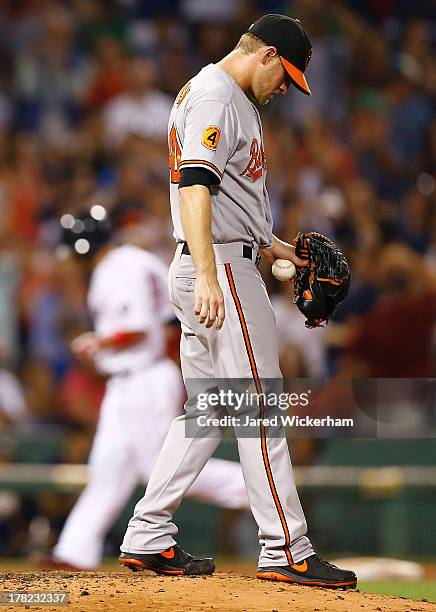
x,y
273,576
135,562
282,578
168,554
300,567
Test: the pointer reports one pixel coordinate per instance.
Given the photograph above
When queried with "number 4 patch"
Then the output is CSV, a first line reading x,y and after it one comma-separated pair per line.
x,y
211,136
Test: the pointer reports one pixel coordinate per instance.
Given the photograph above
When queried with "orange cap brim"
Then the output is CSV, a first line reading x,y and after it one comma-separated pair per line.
x,y
298,78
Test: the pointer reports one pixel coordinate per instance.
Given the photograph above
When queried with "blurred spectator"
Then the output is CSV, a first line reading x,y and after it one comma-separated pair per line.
x,y
302,352
173,68
9,278
109,73
81,394
45,340
410,113
41,393
98,19
13,408
416,221
21,184
395,339
141,109
49,74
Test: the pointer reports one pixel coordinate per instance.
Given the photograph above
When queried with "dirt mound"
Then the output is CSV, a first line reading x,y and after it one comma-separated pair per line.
x,y
224,592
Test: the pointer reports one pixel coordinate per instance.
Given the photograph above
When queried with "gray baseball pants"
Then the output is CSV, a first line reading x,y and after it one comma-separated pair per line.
x,y
245,347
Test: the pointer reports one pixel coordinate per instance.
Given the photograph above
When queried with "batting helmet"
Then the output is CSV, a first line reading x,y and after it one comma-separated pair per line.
x,y
86,232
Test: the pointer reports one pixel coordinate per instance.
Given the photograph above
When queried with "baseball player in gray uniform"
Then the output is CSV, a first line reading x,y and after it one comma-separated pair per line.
x,y
222,221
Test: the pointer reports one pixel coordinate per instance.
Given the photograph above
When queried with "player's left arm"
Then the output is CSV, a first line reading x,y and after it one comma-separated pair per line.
x,y
121,340
281,250
87,345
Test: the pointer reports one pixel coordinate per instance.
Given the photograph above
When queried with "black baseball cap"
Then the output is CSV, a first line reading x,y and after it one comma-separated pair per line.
x,y
292,44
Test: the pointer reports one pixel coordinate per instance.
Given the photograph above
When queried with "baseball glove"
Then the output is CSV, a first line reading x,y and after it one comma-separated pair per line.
x,y
323,285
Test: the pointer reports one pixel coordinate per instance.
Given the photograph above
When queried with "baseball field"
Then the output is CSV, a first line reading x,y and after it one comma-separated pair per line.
x,y
232,588
217,304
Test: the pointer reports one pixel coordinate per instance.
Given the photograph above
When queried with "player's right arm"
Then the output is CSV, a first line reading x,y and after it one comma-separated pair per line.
x,y
282,250
196,215
209,139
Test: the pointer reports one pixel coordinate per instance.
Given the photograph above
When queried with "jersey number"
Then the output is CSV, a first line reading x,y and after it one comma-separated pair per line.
x,y
212,138
175,156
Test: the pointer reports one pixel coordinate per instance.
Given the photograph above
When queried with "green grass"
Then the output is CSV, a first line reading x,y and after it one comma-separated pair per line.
x,y
423,589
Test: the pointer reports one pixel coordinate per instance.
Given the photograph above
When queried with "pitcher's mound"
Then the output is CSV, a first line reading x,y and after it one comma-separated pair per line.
x,y
221,592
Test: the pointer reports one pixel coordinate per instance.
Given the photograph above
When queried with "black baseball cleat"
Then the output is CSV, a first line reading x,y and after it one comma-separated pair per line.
x,y
313,571
173,561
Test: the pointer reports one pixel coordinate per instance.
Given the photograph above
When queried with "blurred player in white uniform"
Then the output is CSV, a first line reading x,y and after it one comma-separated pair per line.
x,y
129,304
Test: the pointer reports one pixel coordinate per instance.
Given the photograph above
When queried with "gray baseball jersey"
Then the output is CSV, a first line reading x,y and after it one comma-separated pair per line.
x,y
214,125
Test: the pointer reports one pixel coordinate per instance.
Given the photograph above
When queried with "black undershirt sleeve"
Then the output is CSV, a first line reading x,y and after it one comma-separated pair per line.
x,y
197,176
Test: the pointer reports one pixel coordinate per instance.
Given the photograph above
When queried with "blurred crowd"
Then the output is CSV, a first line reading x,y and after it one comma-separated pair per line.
x,y
86,87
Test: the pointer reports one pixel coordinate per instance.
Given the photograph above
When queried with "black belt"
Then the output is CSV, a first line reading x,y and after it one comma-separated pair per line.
x,y
247,252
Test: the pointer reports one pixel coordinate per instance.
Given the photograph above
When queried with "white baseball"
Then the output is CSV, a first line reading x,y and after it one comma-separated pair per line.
x,y
283,269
